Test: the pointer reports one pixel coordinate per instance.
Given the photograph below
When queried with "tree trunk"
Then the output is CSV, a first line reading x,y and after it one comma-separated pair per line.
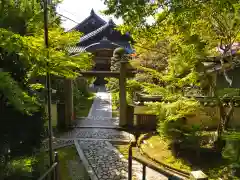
x,y
223,125
229,115
219,144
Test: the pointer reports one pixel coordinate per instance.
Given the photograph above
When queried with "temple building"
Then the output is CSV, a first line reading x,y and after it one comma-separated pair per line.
x,y
100,38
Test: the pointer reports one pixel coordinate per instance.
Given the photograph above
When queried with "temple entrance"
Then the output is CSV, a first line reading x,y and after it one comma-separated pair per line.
x,y
100,80
125,71
102,59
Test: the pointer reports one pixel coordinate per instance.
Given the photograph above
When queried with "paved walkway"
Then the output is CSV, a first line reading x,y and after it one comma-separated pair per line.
x,y
102,105
93,136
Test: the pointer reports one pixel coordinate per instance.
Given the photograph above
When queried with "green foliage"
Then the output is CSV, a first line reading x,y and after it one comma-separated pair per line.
x,y
20,167
170,113
19,99
170,54
182,35
80,91
26,40
24,61
82,96
228,92
32,51
115,99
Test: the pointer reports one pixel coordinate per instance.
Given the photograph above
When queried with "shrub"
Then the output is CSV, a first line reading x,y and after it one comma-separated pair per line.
x,y
170,115
20,134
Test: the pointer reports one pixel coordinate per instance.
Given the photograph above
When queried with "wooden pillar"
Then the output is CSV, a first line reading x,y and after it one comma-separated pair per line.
x,y
68,91
123,93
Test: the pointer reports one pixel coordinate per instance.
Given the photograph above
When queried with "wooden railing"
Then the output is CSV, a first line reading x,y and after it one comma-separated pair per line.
x,y
145,164
53,171
170,173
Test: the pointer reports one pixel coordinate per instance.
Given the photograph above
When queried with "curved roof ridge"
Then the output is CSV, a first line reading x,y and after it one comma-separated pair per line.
x,y
92,14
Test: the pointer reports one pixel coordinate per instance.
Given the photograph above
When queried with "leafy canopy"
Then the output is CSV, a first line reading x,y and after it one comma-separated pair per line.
x,y
172,47
22,36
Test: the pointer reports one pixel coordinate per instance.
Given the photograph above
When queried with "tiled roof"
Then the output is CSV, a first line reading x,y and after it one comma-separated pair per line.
x,y
76,49
103,43
97,31
92,15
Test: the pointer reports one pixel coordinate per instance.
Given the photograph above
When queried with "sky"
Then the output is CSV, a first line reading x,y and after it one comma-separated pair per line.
x,y
78,10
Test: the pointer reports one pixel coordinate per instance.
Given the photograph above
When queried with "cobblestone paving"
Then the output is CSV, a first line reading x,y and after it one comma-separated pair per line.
x,y
97,133
109,164
100,158
105,160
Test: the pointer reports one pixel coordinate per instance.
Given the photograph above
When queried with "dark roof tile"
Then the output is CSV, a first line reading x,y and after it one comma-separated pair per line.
x,y
75,49
92,15
94,33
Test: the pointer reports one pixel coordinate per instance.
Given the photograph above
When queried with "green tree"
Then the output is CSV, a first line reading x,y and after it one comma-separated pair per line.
x,y
24,61
182,35
22,36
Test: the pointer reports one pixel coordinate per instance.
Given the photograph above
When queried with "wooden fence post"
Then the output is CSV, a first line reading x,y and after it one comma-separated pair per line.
x,y
130,162
144,172
123,93
56,172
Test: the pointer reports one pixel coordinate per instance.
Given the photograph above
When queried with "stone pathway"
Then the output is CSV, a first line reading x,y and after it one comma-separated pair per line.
x,y
93,136
108,163
102,105
102,160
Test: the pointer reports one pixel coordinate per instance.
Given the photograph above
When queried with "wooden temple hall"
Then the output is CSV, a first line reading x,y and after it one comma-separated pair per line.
x,y
101,39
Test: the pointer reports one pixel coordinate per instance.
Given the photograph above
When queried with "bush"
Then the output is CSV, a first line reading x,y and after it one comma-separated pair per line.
x,y
20,134
172,115
81,90
21,168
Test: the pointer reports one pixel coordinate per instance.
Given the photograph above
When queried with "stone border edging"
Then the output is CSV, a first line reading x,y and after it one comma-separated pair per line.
x,y
59,147
169,168
86,164
69,142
